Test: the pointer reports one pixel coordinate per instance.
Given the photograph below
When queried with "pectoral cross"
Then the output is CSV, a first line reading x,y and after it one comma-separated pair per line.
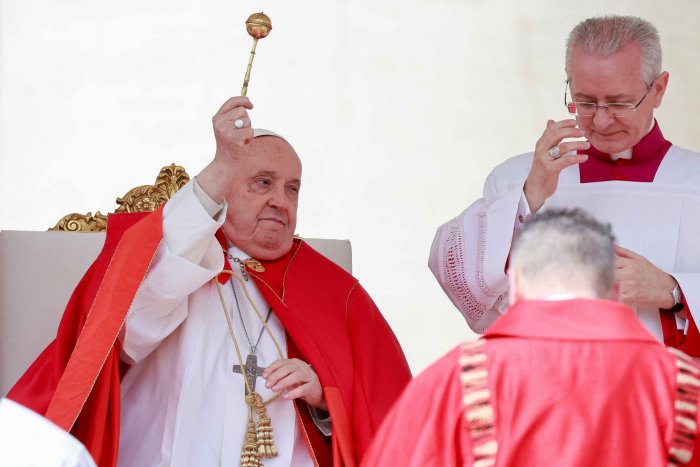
x,y
252,370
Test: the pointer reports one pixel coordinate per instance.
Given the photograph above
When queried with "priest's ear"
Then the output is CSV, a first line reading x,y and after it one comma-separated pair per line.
x,y
659,86
615,292
514,292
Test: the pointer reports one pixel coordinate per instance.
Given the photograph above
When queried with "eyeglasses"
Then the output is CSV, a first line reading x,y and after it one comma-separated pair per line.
x,y
589,109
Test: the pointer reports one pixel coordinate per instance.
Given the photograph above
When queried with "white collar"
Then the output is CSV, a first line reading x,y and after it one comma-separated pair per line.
x,y
626,154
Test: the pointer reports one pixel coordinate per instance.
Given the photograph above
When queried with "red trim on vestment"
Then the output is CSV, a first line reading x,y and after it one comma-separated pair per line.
x,y
647,155
342,431
319,446
223,277
97,424
125,272
690,342
673,337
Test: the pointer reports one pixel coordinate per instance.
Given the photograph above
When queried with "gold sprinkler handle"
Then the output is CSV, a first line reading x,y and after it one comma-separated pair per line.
x,y
250,66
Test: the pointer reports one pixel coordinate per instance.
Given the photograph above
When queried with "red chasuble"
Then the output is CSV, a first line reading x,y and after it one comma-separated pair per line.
x,y
558,383
647,155
329,319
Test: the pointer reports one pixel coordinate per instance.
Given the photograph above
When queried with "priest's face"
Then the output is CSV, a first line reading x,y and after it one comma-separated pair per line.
x,y
262,203
614,79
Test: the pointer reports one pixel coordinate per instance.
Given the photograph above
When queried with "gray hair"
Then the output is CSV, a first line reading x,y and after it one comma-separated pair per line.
x,y
604,35
567,245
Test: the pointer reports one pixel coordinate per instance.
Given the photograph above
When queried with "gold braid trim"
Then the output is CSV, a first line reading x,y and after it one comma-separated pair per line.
x,y
476,399
686,409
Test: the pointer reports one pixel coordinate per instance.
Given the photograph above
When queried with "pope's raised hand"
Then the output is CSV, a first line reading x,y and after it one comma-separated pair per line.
x,y
232,130
233,133
548,162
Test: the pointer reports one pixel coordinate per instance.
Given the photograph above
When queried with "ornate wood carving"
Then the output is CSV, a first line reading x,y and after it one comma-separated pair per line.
x,y
143,198
82,223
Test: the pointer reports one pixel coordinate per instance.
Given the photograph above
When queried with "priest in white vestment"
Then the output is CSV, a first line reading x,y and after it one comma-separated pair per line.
x,y
624,172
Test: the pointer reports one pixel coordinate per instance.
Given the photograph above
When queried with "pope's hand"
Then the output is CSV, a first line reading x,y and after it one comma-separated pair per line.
x,y
543,178
232,130
233,133
297,380
640,282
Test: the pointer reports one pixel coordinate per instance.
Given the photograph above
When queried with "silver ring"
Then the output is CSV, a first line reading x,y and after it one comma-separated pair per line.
x,y
555,152
238,123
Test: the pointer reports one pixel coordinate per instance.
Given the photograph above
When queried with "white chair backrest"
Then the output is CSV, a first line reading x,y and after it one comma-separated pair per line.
x,y
38,272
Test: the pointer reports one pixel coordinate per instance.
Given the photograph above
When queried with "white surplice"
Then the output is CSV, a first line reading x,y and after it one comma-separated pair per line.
x,y
659,220
182,403
27,440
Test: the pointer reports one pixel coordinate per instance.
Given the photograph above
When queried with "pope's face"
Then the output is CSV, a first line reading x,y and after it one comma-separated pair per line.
x,y
614,79
262,204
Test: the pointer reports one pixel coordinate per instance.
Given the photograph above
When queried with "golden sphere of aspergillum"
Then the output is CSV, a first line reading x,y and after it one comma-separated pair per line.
x,y
258,25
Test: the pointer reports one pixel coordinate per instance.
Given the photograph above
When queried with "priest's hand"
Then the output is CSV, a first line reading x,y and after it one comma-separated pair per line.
x,y
542,181
233,132
640,282
297,380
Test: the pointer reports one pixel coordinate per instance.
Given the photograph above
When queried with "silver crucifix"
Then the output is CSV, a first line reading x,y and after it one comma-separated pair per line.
x,y
252,370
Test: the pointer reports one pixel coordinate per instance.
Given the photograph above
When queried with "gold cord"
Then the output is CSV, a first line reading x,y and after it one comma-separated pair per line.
x,y
257,312
258,441
233,337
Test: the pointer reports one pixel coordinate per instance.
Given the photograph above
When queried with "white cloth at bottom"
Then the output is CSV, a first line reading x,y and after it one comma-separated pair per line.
x,y
29,440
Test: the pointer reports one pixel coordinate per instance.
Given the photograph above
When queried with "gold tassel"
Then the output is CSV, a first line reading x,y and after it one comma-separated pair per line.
x,y
249,455
266,445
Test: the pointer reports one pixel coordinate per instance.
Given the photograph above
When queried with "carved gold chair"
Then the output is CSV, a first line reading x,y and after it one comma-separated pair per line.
x,y
39,270
144,198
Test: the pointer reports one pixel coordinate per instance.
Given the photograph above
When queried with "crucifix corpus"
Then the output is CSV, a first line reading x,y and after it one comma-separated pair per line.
x,y
252,371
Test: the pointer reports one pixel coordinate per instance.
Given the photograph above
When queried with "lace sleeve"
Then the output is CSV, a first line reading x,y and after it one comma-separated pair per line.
x,y
469,253
461,274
